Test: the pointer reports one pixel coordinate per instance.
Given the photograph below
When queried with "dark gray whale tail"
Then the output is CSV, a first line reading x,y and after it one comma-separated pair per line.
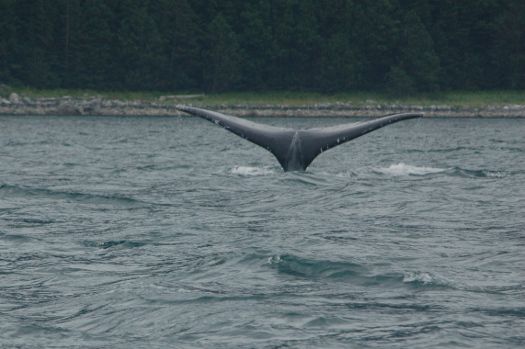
x,y
295,149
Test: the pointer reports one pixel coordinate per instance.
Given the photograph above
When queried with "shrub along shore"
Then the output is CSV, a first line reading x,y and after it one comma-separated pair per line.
x,y
445,104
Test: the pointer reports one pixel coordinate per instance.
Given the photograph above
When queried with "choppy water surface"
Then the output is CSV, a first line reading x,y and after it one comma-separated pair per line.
x,y
170,232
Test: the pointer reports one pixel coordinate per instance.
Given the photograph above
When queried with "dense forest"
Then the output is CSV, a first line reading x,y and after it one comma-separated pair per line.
x,y
398,46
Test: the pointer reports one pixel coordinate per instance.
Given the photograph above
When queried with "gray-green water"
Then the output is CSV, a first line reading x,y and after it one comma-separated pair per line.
x,y
170,232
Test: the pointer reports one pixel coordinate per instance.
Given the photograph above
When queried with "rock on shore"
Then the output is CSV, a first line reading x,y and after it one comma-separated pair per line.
x,y
17,105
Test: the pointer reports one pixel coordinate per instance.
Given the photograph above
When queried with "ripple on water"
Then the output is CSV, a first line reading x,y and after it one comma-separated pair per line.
x,y
140,232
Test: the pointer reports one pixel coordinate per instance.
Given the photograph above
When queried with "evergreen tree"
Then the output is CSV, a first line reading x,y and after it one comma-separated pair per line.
x,y
308,47
340,58
223,71
182,42
508,54
296,59
7,40
376,29
33,51
139,55
399,82
89,40
416,56
326,45
256,45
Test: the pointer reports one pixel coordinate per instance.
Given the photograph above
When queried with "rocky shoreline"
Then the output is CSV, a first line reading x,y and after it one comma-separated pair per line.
x,y
19,105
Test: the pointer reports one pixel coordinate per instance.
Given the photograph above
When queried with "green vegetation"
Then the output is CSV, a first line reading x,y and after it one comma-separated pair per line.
x,y
455,98
397,47
81,93
451,98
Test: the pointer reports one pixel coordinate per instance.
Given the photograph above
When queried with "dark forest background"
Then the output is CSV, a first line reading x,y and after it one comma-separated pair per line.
x,y
398,46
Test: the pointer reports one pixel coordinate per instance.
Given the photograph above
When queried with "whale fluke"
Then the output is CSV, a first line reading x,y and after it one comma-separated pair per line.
x,y
295,149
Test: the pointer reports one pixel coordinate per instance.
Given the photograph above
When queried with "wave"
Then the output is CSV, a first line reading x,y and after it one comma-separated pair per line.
x,y
443,150
349,271
399,169
462,172
252,171
421,278
311,268
71,195
114,244
402,169
518,311
18,238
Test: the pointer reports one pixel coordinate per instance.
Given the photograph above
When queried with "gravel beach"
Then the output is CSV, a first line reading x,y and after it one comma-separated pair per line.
x,y
19,105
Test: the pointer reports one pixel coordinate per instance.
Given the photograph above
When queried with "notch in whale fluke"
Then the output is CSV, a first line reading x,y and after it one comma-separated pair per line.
x,y
295,149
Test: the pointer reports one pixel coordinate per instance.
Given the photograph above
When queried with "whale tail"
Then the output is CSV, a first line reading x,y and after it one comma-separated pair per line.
x,y
295,149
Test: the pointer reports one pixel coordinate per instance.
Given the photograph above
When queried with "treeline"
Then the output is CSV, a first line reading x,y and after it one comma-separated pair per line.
x,y
399,46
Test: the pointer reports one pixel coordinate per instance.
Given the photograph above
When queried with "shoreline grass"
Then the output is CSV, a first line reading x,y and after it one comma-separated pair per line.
x,y
291,98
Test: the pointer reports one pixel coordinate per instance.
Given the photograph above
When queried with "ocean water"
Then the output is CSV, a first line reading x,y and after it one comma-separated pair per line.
x,y
159,232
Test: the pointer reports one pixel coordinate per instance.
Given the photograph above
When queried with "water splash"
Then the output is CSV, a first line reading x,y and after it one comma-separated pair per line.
x,y
402,169
418,278
252,171
422,278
